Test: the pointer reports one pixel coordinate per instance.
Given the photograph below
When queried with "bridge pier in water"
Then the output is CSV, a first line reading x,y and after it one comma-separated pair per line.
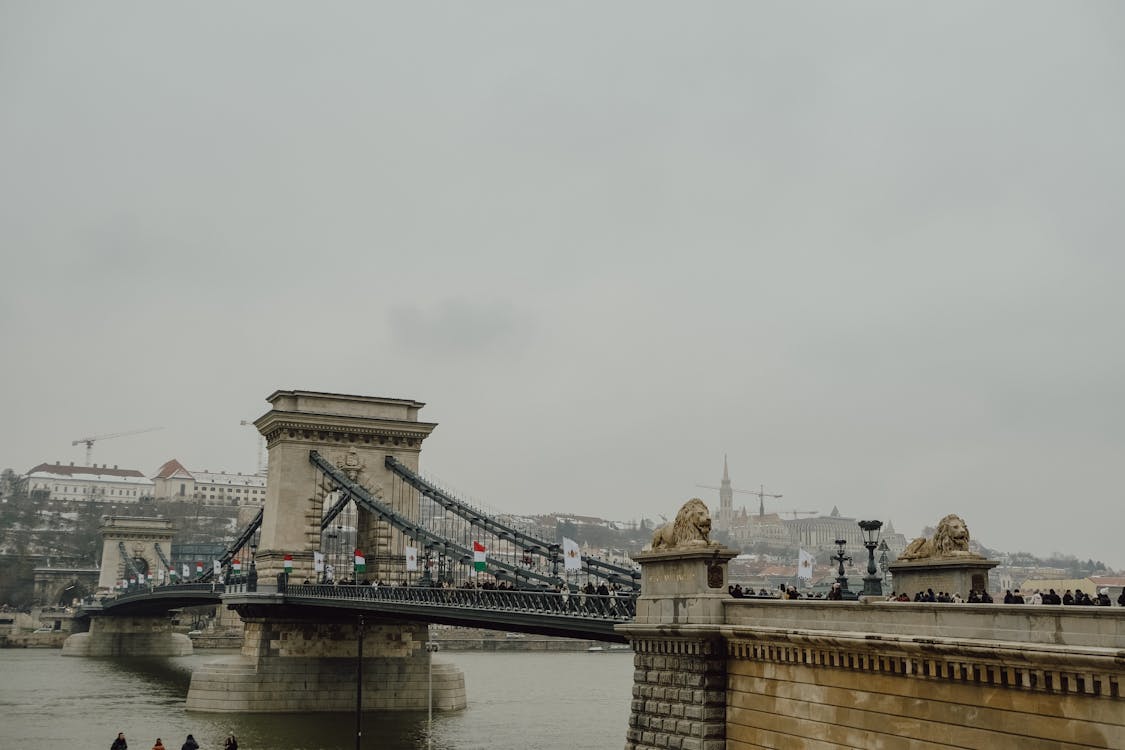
x,y
293,662
718,673
134,635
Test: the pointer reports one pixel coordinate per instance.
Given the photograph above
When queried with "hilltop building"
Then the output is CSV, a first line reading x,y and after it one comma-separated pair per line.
x,y
174,482
100,484
773,532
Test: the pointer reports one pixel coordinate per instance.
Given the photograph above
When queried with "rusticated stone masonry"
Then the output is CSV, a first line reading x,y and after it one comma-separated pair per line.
x,y
679,695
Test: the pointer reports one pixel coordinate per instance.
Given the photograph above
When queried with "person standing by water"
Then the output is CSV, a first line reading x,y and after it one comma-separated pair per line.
x,y
119,743
159,745
231,743
190,744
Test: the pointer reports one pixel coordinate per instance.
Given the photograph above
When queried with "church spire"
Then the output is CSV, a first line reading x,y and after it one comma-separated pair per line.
x,y
726,474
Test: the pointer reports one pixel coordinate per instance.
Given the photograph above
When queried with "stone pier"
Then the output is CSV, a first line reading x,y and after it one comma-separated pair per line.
x,y
128,636
292,663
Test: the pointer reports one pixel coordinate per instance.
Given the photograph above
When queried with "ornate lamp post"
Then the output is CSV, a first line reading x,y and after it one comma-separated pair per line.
x,y
840,556
883,564
872,584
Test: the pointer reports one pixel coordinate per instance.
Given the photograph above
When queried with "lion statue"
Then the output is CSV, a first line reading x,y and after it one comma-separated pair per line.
x,y
692,528
950,540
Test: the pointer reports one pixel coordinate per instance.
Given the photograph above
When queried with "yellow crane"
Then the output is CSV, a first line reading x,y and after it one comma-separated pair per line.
x,y
89,441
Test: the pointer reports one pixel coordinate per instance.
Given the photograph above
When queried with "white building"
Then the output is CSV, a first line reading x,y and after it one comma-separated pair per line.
x,y
174,482
100,484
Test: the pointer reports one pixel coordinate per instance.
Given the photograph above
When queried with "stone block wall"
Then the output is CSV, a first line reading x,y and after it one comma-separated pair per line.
x,y
679,695
837,695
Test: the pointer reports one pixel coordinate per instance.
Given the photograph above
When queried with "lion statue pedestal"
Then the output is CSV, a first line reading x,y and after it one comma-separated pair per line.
x,y
683,573
942,563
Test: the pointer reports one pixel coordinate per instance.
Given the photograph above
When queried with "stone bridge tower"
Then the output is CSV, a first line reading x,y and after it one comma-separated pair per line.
x,y
141,539
356,433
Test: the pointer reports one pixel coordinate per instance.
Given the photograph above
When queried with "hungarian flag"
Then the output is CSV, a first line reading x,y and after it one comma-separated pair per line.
x,y
236,565
199,567
171,573
287,561
479,563
360,562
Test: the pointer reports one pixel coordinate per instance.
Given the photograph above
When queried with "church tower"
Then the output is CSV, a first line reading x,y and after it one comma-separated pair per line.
x,y
726,501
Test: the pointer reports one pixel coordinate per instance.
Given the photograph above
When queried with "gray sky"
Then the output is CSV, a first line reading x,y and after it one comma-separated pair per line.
x,y
872,252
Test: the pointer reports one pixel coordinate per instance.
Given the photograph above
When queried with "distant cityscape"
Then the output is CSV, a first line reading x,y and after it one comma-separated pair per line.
x,y
209,505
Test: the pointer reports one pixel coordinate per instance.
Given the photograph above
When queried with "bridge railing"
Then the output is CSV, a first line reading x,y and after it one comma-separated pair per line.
x,y
621,607
171,589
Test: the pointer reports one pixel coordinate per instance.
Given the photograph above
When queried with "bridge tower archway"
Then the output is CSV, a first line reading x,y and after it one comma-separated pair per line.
x,y
132,545
356,433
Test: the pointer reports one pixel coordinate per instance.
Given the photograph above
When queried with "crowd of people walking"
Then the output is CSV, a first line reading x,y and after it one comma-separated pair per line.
x,y
1011,596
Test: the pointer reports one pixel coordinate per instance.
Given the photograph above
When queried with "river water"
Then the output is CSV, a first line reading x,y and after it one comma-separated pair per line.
x,y
517,701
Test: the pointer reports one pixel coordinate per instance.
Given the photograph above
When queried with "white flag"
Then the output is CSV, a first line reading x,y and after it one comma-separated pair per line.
x,y
805,566
318,562
572,558
161,573
411,558
187,574
217,567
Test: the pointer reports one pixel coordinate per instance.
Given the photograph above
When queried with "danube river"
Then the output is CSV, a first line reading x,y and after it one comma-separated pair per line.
x,y
517,700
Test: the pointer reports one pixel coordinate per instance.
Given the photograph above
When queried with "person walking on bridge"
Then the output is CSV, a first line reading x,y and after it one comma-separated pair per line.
x,y
119,743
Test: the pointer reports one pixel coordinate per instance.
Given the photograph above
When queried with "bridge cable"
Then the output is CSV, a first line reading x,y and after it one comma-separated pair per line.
x,y
591,565
385,513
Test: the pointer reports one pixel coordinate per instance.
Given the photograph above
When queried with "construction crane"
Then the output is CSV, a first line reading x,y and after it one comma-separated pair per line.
x,y
801,512
760,492
89,441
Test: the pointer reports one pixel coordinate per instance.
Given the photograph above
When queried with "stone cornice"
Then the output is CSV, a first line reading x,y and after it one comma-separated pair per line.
x,y
318,428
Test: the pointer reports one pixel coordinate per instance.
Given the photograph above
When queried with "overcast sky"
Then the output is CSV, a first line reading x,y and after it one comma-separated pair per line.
x,y
870,251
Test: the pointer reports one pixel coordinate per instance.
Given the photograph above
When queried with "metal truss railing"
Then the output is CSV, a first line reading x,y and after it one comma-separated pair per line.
x,y
619,608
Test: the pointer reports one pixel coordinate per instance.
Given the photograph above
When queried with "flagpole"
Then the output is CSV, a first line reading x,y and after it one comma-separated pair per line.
x,y
359,687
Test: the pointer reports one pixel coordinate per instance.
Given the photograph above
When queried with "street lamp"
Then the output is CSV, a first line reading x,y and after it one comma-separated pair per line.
x,y
883,564
872,584
839,557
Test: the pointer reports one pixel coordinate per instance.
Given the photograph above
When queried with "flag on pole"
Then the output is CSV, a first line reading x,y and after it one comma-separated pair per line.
x,y
141,578
287,562
479,562
187,572
236,565
572,558
360,562
805,566
161,573
171,573
216,568
318,562
411,558
199,567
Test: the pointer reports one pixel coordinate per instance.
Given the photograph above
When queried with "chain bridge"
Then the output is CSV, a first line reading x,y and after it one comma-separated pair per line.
x,y
710,671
